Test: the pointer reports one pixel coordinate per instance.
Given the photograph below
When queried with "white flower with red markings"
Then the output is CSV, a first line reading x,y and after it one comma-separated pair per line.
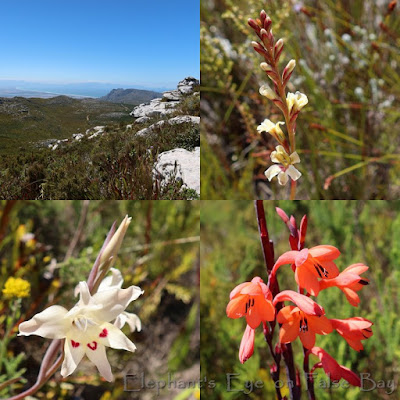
x,y
86,328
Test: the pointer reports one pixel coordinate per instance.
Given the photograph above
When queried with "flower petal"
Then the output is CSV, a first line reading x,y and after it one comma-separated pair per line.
x,y
352,296
49,323
294,158
99,359
305,304
320,325
306,280
131,319
325,252
308,339
114,301
253,318
265,309
236,307
289,331
114,338
285,315
350,376
72,357
293,172
283,178
113,280
237,289
272,171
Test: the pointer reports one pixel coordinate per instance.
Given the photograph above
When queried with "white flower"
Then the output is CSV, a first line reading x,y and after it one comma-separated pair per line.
x,y
86,328
274,129
296,100
286,169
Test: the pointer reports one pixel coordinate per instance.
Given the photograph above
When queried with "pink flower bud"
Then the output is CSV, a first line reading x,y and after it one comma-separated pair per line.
x,y
246,345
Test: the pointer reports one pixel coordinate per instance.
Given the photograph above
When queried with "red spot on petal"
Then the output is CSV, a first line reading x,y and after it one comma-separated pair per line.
x,y
92,346
75,344
103,333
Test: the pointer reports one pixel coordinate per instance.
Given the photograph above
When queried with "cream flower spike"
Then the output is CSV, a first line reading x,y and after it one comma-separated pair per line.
x,y
86,328
286,169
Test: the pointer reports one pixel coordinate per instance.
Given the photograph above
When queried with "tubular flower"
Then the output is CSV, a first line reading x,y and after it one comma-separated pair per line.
x,y
272,129
333,369
246,345
86,328
285,170
297,323
252,300
349,282
295,102
311,264
353,330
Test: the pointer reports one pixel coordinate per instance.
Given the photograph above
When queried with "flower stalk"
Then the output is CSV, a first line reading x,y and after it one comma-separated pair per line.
x,y
290,104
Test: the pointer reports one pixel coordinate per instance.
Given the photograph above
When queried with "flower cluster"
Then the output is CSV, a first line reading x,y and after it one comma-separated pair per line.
x,y
16,287
290,104
314,270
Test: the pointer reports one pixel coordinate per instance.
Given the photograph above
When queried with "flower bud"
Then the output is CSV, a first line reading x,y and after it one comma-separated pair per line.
x,y
114,244
266,91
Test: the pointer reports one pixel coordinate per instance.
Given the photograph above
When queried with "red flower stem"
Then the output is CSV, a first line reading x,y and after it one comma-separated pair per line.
x,y
268,251
266,244
308,375
274,374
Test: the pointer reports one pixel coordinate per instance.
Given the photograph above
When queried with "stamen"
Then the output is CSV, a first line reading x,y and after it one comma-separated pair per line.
x,y
252,304
319,273
363,282
92,346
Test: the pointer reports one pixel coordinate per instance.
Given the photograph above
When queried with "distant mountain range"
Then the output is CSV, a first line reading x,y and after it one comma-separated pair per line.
x,y
131,96
82,89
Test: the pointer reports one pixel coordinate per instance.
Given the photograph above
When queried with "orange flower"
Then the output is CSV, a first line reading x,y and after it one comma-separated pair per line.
x,y
246,345
311,264
333,369
304,321
252,300
353,330
349,282
297,323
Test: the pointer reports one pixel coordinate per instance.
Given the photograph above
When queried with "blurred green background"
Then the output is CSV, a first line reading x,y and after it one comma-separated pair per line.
x,y
364,231
348,64
40,241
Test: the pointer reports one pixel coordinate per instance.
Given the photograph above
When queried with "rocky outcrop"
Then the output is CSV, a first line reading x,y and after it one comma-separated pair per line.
x,y
188,85
179,164
156,108
161,107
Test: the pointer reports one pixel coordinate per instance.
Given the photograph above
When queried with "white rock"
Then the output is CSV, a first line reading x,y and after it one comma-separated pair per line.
x,y
182,119
78,136
186,86
172,95
142,120
156,108
185,163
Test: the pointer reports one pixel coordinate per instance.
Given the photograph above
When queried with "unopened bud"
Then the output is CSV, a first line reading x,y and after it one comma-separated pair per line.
x,y
266,91
278,45
290,66
114,244
265,67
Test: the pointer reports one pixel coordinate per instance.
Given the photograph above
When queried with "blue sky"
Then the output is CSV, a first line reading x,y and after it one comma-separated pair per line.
x,y
146,42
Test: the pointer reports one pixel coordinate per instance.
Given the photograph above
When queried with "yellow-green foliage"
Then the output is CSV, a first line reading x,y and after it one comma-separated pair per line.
x,y
348,64
367,232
